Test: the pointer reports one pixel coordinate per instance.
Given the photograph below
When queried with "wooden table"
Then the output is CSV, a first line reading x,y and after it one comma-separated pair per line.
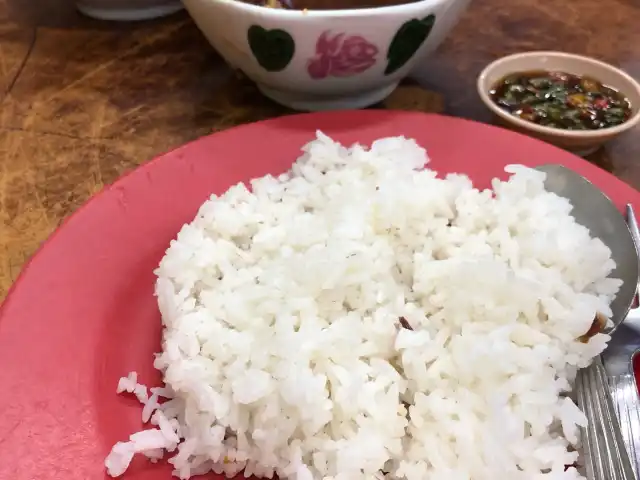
x,y
85,101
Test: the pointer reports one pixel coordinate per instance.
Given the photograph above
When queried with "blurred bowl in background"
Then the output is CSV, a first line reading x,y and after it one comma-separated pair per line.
x,y
128,10
325,59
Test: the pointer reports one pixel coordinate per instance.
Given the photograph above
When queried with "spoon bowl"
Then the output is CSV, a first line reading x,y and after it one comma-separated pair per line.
x,y
606,437
596,211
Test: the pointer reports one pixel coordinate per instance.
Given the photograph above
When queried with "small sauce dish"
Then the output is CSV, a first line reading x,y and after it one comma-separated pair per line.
x,y
603,90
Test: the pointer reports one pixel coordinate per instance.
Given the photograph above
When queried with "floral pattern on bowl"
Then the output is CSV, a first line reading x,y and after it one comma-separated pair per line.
x,y
341,55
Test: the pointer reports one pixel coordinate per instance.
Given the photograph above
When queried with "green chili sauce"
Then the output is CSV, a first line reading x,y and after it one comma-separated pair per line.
x,y
561,100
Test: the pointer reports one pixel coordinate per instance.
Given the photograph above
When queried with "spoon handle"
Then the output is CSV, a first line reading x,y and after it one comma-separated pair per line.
x,y
633,225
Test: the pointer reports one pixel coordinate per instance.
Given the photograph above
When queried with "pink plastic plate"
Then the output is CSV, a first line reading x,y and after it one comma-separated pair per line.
x,y
82,314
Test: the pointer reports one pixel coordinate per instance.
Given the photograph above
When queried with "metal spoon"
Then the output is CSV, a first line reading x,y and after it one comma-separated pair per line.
x,y
617,357
606,448
594,210
618,361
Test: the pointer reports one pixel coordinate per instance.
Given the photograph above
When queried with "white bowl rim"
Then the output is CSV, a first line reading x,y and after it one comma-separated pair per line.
x,y
351,12
573,134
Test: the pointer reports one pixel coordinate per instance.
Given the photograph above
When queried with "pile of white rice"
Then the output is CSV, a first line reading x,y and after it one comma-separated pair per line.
x,y
284,352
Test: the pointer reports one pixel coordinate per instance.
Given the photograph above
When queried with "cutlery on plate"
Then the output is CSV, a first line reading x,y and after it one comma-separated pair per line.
x,y
618,363
605,452
605,446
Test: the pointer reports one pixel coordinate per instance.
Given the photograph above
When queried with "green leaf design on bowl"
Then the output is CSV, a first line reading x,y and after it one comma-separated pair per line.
x,y
407,40
273,49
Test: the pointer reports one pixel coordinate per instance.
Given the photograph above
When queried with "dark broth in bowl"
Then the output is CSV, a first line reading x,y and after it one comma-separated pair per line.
x,y
561,100
326,4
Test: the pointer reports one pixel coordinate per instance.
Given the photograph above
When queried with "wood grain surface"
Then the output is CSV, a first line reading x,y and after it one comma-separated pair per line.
x,y
85,101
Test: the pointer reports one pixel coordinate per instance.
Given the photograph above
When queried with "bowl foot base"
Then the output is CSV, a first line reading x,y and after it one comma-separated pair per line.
x,y
584,151
128,14
313,103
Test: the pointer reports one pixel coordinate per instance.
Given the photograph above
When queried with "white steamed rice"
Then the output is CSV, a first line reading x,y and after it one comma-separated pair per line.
x,y
283,350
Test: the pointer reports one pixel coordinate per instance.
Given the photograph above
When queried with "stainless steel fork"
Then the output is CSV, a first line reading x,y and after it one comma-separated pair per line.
x,y
605,450
627,406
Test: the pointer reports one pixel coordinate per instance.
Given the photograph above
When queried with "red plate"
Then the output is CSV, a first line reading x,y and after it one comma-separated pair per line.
x,y
82,313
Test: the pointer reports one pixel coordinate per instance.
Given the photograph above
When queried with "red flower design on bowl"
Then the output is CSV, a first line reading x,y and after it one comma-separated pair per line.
x,y
340,55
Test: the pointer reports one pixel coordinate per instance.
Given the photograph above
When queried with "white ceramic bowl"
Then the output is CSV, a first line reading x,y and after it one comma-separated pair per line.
x,y
325,59
128,10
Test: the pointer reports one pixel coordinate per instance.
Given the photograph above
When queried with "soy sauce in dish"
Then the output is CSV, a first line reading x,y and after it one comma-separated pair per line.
x,y
561,100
